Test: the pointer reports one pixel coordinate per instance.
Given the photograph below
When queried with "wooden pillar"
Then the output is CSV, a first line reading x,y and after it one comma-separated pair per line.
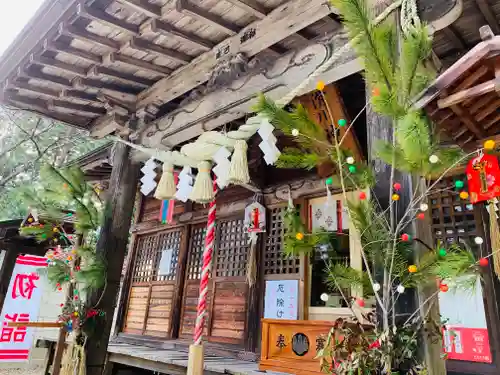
x,y
111,246
9,262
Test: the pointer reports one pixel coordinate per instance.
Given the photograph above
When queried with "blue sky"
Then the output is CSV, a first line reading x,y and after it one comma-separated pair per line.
x,y
14,15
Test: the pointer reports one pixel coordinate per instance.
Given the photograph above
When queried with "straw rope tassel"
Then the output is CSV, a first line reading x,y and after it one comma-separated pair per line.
x,y
252,260
238,171
205,270
202,189
495,238
166,188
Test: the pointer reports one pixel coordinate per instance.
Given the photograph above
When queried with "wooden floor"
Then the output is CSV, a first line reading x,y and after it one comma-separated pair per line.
x,y
174,361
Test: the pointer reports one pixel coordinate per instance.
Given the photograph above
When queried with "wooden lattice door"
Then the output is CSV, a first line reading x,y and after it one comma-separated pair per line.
x,y
154,276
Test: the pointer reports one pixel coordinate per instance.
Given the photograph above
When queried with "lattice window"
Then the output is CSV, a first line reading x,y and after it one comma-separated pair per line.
x,y
275,261
144,269
232,249
195,256
168,254
453,219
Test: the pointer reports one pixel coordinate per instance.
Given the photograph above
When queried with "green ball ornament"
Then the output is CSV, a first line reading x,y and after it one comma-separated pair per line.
x,y
352,168
44,235
342,122
329,181
75,291
459,184
442,252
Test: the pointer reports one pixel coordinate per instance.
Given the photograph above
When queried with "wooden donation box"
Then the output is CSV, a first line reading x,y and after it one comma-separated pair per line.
x,y
290,346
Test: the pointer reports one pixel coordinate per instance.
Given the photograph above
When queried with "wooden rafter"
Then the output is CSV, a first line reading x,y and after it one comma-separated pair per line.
x,y
136,63
26,86
488,15
80,95
81,83
66,49
78,33
143,6
84,108
35,71
283,21
185,7
146,45
163,28
455,38
101,16
250,6
51,62
99,71
468,121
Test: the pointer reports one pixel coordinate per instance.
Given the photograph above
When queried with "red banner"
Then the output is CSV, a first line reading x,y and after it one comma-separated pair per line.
x,y
467,344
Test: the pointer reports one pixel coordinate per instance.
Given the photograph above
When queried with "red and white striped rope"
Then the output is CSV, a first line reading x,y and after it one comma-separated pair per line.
x,y
205,271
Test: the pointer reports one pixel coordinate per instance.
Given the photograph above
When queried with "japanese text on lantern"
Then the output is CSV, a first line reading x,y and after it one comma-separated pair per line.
x,y
21,305
281,299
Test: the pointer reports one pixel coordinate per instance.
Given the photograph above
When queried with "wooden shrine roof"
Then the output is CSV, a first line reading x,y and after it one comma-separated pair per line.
x,y
464,101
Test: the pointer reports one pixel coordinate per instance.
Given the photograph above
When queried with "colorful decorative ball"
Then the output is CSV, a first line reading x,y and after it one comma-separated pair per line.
x,y
59,289
478,240
360,302
70,257
58,284
375,91
433,159
464,195
444,288
400,289
320,85
405,237
396,186
75,298
376,287
342,122
350,160
75,291
61,305
295,132
30,220
420,216
55,229
329,181
65,185
412,268
489,144
483,262
299,236
73,251
362,195
352,168
459,184
324,297
41,225
44,235
424,207
442,252
75,313
395,197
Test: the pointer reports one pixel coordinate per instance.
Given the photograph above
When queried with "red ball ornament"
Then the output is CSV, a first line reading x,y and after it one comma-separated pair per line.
x,y
76,298
421,216
362,195
397,186
483,262
61,305
405,237
360,302
59,289
444,288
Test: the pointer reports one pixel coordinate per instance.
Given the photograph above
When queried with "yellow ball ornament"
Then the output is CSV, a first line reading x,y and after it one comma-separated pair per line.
x,y
299,236
489,144
395,197
55,230
320,85
412,268
464,195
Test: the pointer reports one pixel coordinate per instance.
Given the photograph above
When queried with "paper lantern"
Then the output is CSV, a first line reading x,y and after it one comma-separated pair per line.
x,y
483,177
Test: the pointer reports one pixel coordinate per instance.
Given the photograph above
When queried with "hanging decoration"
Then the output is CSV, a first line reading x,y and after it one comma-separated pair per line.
x,y
494,237
483,177
148,183
185,184
254,223
221,169
166,186
167,211
268,144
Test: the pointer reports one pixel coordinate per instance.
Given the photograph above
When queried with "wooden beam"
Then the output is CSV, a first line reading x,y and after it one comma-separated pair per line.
x,y
26,86
478,104
53,63
77,33
251,6
36,324
69,106
161,27
145,45
60,47
481,89
185,7
455,38
485,112
280,23
97,71
488,15
143,6
34,71
108,125
81,82
80,95
101,16
136,63
468,121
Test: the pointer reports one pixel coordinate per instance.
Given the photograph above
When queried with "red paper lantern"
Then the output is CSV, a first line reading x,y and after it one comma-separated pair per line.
x,y
483,176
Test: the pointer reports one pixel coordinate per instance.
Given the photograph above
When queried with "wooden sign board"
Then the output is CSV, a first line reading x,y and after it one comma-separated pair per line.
x,y
290,346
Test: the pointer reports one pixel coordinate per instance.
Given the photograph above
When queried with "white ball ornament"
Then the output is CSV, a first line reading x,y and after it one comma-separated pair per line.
x,y
350,160
478,240
295,132
376,287
424,207
324,297
400,289
433,159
